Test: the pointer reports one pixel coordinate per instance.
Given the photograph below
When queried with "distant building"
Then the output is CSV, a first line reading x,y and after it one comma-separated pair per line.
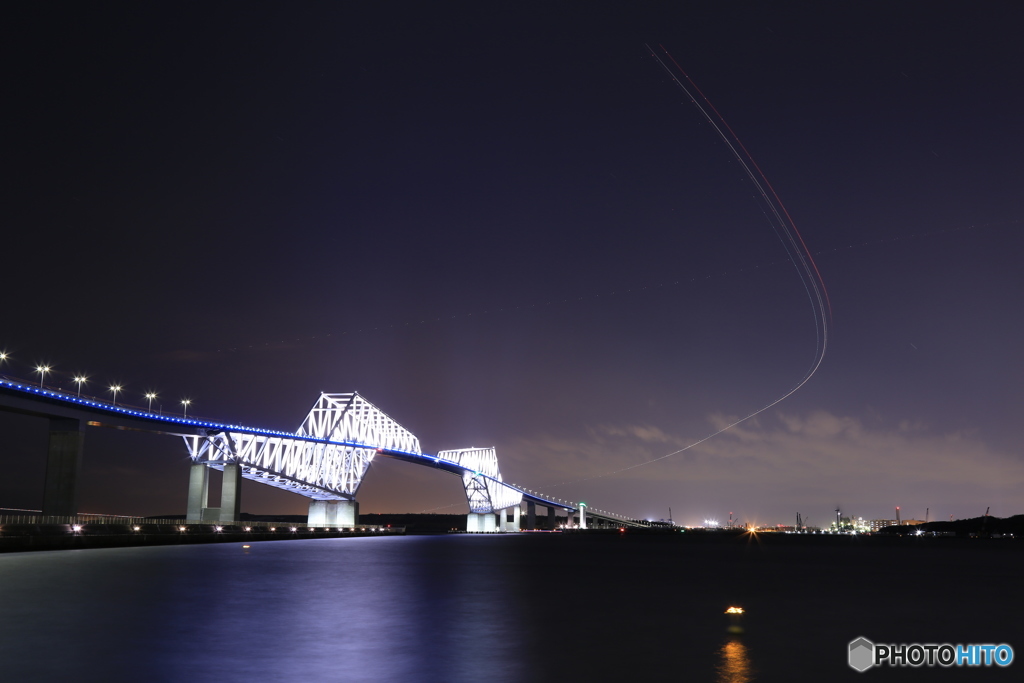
x,y
877,524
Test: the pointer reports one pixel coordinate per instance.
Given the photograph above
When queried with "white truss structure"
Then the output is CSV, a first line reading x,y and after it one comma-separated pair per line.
x,y
351,418
326,460
484,488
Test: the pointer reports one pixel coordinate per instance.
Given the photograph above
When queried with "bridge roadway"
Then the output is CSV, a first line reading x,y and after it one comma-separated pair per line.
x,y
69,414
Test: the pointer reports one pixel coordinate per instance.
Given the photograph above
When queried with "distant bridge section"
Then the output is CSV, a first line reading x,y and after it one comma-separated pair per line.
x,y
485,490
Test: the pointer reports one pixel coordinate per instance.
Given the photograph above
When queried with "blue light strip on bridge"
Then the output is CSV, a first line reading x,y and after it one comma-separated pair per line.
x,y
127,412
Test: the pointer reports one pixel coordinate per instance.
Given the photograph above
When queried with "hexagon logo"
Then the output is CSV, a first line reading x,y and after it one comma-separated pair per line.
x,y
862,654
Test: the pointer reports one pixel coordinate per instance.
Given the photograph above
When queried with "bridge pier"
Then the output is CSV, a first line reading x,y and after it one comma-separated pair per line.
x,y
510,524
317,513
552,520
531,515
481,523
60,493
333,513
198,509
230,493
346,512
198,492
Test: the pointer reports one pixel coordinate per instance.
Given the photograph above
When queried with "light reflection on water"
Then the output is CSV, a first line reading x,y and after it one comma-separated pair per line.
x,y
532,607
734,665
401,609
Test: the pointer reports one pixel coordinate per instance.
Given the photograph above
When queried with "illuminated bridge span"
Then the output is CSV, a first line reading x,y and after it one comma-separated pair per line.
x,y
325,460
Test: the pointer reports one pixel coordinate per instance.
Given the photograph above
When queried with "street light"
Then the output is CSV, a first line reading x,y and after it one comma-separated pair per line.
x,y
80,380
115,388
149,397
42,370
186,402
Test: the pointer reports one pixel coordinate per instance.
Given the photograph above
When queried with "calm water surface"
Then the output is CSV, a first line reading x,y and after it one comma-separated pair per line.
x,y
532,607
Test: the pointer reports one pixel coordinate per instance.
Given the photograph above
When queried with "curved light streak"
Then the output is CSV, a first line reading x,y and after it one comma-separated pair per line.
x,y
785,229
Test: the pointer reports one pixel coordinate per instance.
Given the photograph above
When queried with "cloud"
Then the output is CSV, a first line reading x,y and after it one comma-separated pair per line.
x,y
784,461
644,433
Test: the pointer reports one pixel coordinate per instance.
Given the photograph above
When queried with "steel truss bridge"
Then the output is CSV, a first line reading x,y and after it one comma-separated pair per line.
x,y
325,460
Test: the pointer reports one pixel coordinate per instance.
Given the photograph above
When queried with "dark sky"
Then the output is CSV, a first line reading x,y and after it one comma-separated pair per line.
x,y
502,224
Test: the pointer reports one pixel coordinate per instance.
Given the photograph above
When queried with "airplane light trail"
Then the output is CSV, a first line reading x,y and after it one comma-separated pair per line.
x,y
788,234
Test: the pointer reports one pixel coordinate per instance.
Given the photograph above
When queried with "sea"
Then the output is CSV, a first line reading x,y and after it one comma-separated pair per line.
x,y
507,607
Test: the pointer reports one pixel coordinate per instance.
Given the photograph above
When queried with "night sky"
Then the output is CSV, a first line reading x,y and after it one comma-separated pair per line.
x,y
504,225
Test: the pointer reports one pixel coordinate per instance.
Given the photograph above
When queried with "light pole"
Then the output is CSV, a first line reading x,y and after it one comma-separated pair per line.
x,y
149,397
185,402
42,370
115,388
80,380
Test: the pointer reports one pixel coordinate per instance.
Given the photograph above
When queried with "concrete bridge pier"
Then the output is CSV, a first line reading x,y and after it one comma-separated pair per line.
x,y
531,515
198,492
199,495
346,512
552,519
510,524
60,493
481,523
333,513
317,515
231,494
